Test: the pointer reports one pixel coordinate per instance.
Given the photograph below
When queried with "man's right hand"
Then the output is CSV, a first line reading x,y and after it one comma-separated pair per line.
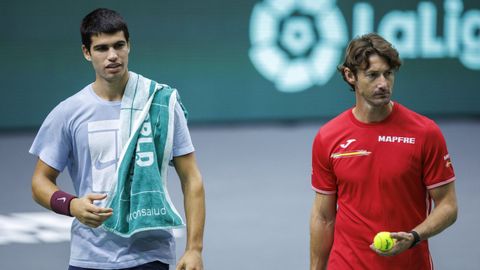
x,y
88,213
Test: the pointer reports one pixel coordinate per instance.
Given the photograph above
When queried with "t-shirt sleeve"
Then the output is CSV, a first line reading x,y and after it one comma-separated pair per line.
x,y
52,143
437,165
182,142
323,178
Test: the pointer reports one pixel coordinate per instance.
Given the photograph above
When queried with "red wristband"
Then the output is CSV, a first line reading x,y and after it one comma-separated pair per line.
x,y
60,202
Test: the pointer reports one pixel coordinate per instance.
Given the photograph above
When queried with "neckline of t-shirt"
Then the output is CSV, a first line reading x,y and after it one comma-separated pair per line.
x,y
101,100
376,124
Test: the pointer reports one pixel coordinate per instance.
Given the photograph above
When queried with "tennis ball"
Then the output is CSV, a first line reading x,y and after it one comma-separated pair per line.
x,y
383,241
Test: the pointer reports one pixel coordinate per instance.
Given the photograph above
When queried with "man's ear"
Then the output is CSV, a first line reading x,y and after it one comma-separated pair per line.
x,y
86,53
350,76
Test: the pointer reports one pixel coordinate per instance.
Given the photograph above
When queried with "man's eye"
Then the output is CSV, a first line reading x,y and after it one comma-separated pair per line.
x,y
119,46
101,48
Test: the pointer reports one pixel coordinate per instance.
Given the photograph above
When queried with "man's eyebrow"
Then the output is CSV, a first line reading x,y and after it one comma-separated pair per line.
x,y
100,46
107,45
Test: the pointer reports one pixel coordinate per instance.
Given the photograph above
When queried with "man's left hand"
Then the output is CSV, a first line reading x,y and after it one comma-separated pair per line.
x,y
403,241
191,260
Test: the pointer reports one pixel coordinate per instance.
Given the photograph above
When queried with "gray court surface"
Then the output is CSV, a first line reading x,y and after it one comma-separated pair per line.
x,y
257,180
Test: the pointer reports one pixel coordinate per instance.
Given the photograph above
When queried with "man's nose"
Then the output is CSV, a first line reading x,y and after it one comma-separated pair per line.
x,y
112,54
382,81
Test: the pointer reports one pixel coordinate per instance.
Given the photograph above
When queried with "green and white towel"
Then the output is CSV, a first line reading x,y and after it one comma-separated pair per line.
x,y
139,198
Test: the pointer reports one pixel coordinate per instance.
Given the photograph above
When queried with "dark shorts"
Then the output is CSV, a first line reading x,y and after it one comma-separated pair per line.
x,y
149,266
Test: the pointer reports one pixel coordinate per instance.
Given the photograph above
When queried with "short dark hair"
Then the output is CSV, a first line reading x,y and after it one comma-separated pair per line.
x,y
361,48
99,21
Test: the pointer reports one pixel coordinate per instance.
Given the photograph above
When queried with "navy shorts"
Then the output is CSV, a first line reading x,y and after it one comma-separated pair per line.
x,y
149,266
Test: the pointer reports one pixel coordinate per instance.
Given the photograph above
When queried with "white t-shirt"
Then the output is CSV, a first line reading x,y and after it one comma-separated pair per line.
x,y
82,134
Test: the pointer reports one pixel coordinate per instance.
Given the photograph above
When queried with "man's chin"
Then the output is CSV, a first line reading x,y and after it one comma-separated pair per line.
x,y
380,102
115,76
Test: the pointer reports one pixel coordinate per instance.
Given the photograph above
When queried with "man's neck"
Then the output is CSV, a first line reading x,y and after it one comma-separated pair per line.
x,y
110,90
367,113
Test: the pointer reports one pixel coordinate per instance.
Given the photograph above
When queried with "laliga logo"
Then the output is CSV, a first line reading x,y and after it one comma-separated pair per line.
x,y
298,44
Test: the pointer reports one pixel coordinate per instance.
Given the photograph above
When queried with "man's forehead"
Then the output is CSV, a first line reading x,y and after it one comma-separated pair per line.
x,y
107,38
375,63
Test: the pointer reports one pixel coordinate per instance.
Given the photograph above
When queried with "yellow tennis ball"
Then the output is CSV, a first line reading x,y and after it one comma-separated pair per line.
x,y
383,241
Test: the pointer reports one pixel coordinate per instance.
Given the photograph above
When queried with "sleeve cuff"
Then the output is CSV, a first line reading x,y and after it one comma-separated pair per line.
x,y
441,183
183,151
326,192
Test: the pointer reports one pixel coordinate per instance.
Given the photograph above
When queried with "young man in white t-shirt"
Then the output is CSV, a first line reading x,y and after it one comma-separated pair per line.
x,y
82,133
